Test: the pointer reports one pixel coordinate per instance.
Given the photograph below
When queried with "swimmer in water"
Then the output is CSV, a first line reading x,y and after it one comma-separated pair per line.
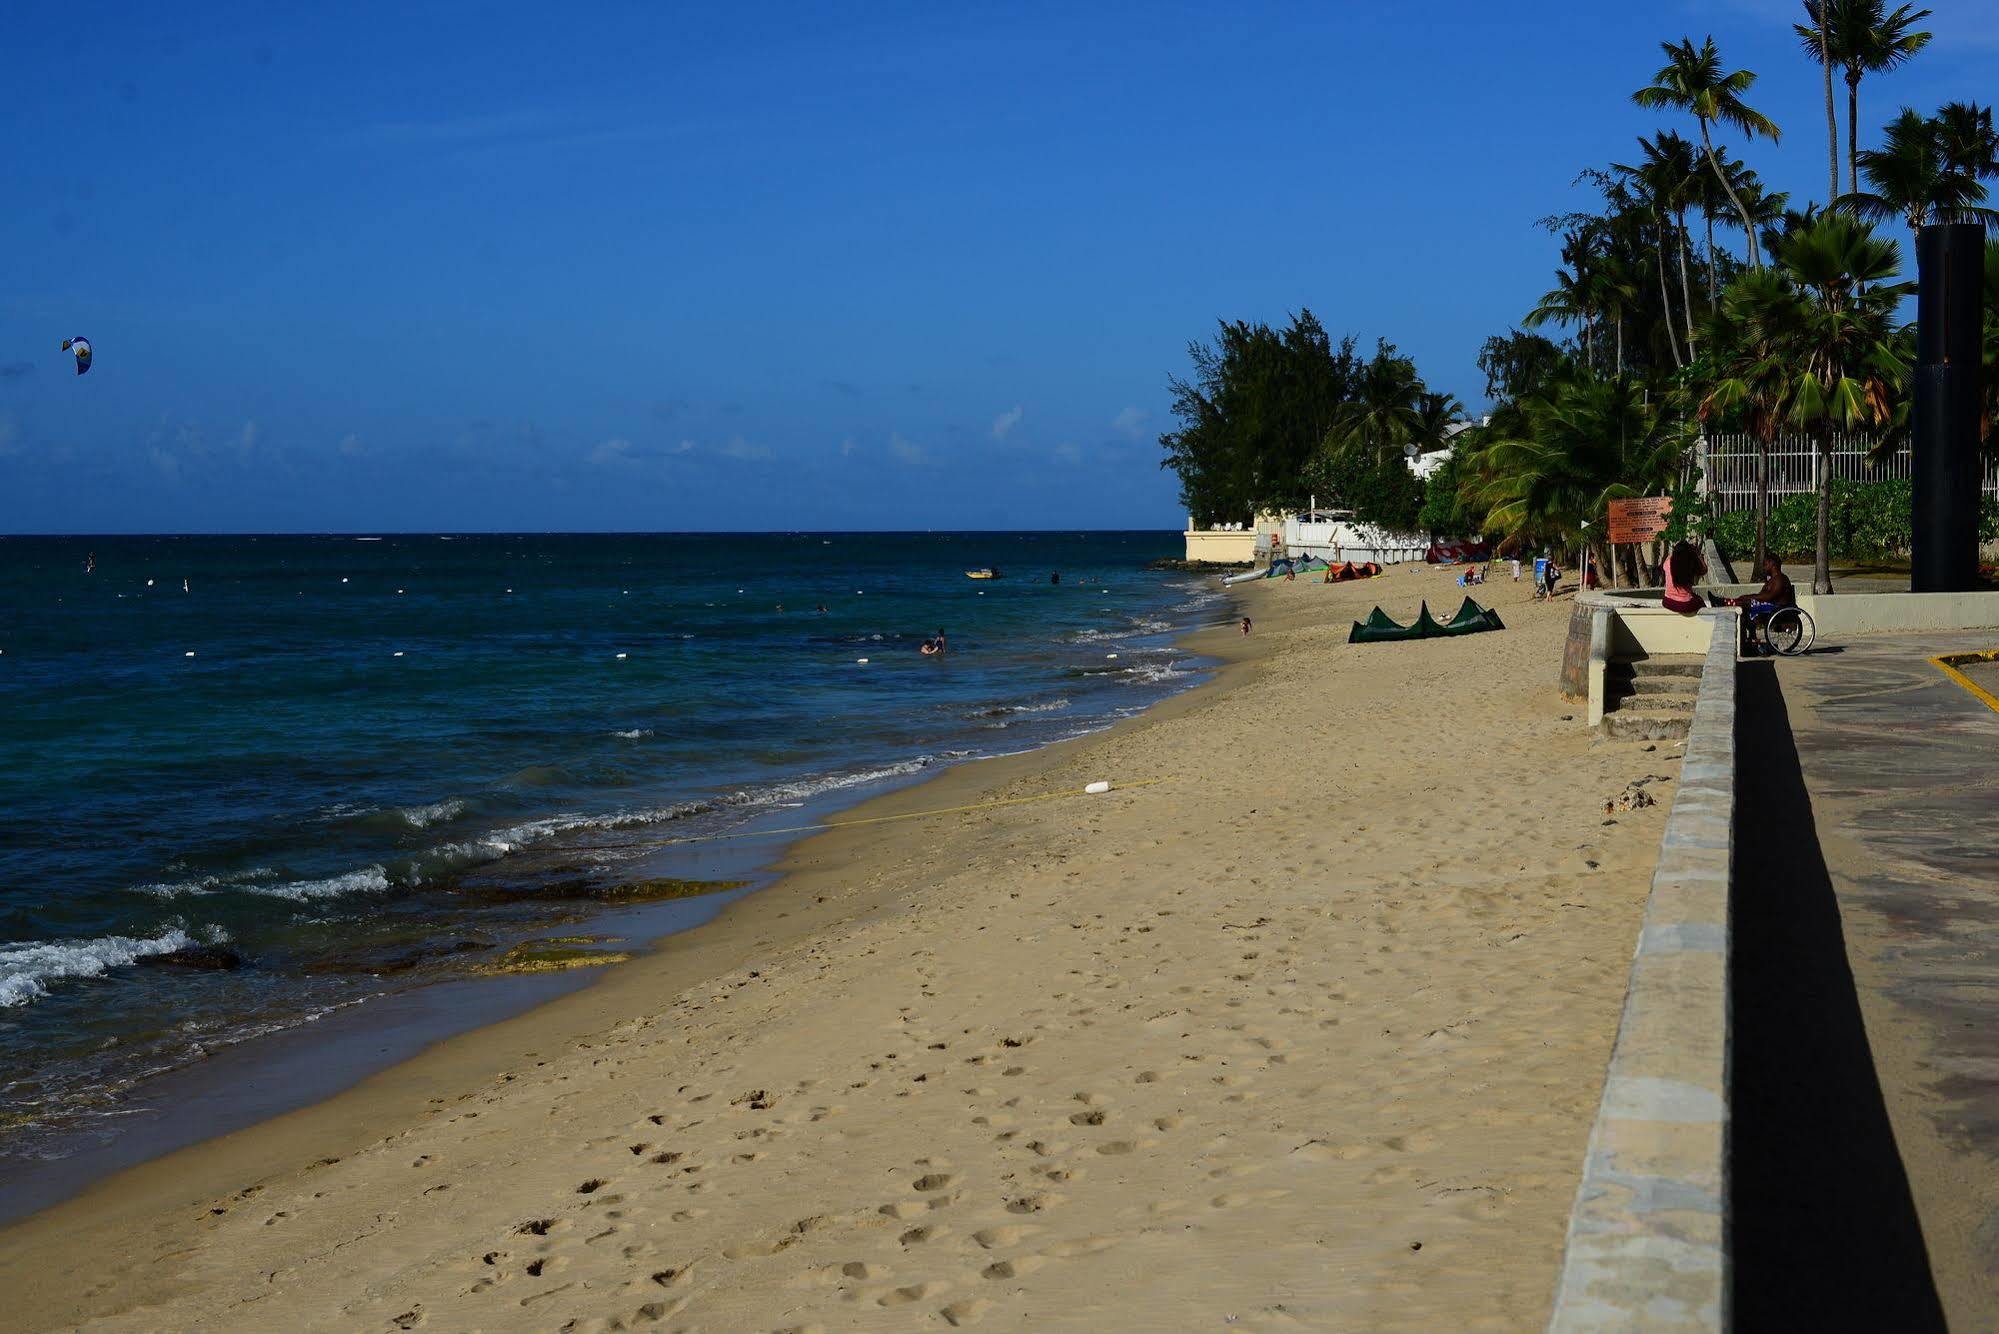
x,y
930,648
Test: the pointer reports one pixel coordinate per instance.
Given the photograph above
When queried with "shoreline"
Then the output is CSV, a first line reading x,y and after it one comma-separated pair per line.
x,y
265,1066
185,1174
843,895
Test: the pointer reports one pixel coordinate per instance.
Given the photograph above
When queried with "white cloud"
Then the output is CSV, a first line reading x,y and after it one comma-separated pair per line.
x,y
1131,422
907,450
739,448
611,451
1007,420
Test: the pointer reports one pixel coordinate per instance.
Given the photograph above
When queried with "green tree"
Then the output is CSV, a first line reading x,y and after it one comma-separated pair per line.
x,y
1253,414
1919,177
1821,349
1693,80
1385,411
1568,451
1862,37
1517,364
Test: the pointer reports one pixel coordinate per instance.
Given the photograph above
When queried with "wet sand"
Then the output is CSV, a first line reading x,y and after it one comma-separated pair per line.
x,y
1309,1033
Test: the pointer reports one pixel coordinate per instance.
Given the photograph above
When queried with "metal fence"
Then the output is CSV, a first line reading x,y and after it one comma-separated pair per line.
x,y
1730,462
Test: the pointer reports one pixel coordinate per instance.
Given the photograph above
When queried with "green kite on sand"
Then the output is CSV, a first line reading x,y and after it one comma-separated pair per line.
x,y
1470,620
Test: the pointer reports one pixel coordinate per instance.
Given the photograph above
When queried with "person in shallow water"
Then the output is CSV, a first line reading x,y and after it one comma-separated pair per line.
x,y
930,648
941,644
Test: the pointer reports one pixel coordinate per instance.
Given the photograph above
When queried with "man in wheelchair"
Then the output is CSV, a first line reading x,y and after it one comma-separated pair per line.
x,y
1777,591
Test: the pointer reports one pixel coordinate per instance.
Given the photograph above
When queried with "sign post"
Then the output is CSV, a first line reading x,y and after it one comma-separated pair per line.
x,y
1637,521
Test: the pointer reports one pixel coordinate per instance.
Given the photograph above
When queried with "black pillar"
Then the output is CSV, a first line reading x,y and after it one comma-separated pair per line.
x,y
1950,261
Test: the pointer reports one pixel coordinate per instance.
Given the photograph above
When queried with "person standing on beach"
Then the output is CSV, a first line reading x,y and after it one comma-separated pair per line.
x,y
1516,569
1245,625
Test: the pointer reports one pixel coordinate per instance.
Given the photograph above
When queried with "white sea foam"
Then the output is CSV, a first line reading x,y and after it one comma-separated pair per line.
x,y
634,733
299,891
26,970
416,817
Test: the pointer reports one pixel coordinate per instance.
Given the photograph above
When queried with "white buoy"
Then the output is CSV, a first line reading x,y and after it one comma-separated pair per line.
x,y
399,590
149,583
343,578
862,661
1098,787
1109,656
621,655
188,654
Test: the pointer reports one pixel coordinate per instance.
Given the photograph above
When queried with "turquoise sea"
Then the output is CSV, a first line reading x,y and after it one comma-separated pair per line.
x,y
357,766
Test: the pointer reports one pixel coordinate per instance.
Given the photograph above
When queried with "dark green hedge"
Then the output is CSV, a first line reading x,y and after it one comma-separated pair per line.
x,y
1870,521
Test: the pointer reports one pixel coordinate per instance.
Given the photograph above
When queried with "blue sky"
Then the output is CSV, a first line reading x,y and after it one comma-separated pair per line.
x,y
755,266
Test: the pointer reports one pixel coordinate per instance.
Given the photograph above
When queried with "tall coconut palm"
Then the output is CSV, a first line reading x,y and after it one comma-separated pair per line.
x,y
1863,37
1667,181
1817,39
1913,177
1692,80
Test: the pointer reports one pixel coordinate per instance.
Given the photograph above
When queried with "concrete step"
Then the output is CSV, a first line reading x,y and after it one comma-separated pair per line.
x,y
1676,665
1650,704
1624,726
1666,685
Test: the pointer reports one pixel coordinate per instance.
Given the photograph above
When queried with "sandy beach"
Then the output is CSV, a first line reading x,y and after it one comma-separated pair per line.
x,y
1307,1033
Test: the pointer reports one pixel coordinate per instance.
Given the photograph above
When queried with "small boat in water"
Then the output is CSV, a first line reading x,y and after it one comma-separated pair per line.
x,y
982,574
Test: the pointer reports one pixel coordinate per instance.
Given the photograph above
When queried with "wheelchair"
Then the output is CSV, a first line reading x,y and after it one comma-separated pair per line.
x,y
1784,631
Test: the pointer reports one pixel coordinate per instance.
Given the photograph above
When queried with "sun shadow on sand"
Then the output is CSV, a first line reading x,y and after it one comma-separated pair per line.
x,y
1824,1230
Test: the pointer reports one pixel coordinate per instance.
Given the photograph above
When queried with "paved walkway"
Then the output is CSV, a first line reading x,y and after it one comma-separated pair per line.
x,y
1902,770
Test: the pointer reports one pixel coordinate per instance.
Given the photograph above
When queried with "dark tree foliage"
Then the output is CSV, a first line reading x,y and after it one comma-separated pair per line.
x,y
1254,413
1379,488
1517,364
1444,513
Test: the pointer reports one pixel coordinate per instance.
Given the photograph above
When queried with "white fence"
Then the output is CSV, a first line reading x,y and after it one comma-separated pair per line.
x,y
1342,539
1731,462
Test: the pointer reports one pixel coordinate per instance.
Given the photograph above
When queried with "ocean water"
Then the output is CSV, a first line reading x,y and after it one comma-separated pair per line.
x,y
364,765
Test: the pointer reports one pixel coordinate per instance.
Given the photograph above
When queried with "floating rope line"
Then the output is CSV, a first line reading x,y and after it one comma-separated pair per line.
x,y
1948,664
868,819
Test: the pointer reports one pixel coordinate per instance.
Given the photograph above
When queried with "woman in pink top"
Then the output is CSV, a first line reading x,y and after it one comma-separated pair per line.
x,y
1684,569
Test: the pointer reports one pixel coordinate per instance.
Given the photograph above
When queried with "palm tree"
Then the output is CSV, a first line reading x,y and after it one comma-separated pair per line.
x,y
1692,80
1864,38
1436,414
1555,462
1384,413
1967,141
1913,176
1667,181
1822,349
1817,38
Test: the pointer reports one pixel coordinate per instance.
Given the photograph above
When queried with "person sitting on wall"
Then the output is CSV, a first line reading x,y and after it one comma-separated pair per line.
x,y
1684,568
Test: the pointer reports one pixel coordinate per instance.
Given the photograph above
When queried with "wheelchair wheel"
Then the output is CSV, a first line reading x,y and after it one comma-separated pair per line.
x,y
1788,631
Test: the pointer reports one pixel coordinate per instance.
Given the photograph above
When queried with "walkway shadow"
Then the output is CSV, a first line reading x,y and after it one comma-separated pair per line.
x,y
1824,1231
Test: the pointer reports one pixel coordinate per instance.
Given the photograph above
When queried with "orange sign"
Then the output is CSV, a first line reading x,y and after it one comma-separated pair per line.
x,y
1640,520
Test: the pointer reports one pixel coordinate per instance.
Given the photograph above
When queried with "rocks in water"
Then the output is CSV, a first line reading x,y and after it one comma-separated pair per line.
x,y
197,958
396,963
554,955
658,889
1173,563
586,890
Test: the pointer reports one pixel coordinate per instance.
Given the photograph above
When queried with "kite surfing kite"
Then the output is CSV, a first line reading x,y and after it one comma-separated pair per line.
x,y
81,347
